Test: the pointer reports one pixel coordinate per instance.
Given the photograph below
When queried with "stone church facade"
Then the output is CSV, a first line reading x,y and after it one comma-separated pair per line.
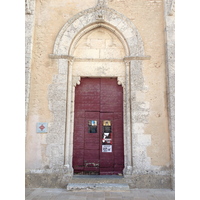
x,y
70,43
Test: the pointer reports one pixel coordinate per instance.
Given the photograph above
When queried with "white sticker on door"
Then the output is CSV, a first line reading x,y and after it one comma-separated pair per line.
x,y
106,148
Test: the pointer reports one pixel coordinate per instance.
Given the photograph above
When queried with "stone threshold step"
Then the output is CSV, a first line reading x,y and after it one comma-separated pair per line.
x,y
97,186
98,177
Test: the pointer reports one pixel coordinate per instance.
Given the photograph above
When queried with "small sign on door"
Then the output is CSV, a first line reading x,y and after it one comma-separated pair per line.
x,y
106,148
92,126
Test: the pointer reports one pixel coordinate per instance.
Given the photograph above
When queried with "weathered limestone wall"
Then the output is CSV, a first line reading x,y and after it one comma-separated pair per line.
x,y
148,18
46,153
50,16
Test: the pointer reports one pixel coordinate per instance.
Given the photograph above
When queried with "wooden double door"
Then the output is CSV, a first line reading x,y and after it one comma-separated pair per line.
x,y
98,127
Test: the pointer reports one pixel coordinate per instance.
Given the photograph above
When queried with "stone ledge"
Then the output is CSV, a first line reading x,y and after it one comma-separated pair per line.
x,y
127,58
60,180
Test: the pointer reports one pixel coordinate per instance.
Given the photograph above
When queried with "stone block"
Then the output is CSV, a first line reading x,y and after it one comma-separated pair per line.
x,y
55,87
144,140
57,94
59,116
88,53
63,69
97,43
140,117
109,53
113,19
140,96
60,79
50,180
113,44
138,127
151,181
129,32
57,127
58,138
55,153
123,26
145,105
59,105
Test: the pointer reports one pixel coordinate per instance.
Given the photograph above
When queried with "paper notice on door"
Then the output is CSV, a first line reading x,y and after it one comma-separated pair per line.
x,y
106,148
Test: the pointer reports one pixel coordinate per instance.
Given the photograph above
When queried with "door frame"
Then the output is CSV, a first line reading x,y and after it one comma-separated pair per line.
x,y
120,81
73,113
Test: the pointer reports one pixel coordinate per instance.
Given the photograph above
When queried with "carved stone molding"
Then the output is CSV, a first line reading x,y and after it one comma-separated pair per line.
x,y
27,6
172,8
54,56
127,63
29,35
170,58
76,80
98,25
126,59
100,9
86,21
129,58
102,3
100,14
97,60
71,61
121,81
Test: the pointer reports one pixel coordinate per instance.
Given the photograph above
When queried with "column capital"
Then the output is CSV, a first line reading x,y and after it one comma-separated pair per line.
x,y
127,63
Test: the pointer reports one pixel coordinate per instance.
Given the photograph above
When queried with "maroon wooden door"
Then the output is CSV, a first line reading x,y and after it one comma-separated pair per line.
x,y
98,145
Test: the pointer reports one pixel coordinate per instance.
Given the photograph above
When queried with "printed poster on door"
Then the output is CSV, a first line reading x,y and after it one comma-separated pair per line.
x,y
107,142
107,136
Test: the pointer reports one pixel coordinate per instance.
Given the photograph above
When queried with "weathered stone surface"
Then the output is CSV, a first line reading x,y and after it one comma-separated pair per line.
x,y
29,30
46,180
98,186
150,181
60,180
170,54
112,40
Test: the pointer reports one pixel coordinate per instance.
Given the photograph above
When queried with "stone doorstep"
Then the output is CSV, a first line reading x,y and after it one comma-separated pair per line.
x,y
98,179
98,186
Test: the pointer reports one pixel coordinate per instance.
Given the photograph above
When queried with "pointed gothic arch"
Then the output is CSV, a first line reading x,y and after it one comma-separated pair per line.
x,y
99,16
127,33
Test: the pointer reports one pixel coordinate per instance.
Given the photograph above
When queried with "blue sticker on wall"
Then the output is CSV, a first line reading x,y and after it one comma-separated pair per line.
x,y
42,127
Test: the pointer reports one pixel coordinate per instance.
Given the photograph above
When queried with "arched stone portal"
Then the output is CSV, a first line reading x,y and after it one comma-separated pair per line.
x,y
105,101
130,77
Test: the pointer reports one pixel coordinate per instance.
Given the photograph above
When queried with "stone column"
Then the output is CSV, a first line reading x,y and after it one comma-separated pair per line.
x,y
68,140
75,82
127,131
29,32
57,105
137,116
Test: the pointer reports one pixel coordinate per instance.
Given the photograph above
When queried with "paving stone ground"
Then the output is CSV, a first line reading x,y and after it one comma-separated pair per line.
x,y
132,194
